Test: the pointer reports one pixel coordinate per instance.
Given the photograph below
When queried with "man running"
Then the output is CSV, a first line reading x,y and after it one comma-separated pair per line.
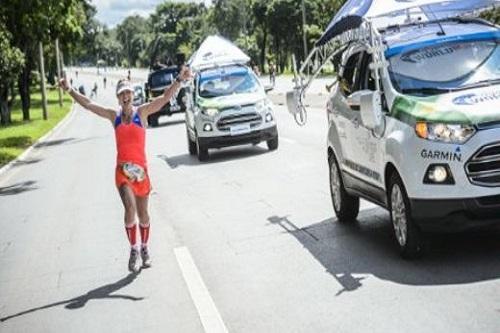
x,y
131,174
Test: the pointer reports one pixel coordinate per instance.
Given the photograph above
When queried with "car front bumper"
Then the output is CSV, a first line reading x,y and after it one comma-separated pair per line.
x,y
228,140
450,215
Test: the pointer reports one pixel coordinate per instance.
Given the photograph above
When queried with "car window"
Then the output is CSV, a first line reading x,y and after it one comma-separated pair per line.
x,y
227,81
446,66
366,79
349,74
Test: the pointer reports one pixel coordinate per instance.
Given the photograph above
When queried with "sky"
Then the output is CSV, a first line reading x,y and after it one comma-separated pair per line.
x,y
112,12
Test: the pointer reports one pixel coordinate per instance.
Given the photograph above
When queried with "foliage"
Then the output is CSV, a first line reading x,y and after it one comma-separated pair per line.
x,y
11,62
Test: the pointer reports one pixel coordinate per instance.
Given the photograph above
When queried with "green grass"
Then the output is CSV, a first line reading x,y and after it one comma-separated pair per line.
x,y
19,135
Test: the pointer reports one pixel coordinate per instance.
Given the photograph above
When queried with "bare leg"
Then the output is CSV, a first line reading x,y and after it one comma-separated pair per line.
x,y
142,210
128,200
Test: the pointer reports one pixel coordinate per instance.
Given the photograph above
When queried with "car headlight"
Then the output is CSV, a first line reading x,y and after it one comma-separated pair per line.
x,y
263,105
211,112
448,133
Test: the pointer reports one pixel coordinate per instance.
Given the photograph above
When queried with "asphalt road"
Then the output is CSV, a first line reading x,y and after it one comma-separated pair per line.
x,y
246,242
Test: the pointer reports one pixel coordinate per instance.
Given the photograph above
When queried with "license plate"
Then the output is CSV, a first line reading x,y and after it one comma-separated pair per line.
x,y
240,129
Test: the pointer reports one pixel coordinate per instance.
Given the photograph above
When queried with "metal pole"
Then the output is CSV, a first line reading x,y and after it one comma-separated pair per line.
x,y
58,61
42,80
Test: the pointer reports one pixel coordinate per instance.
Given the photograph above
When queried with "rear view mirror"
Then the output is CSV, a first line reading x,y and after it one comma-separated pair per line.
x,y
371,109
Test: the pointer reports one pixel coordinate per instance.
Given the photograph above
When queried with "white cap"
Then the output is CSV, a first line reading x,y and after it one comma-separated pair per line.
x,y
122,86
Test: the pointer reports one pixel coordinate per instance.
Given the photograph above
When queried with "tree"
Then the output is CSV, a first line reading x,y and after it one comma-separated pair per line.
x,y
34,21
132,35
11,62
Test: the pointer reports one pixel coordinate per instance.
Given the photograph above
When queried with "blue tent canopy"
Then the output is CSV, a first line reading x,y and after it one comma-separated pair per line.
x,y
390,12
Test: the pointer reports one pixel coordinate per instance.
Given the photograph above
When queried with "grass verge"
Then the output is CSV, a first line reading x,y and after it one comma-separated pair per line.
x,y
19,135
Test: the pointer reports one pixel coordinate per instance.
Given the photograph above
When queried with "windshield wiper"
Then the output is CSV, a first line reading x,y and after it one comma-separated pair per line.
x,y
427,90
482,83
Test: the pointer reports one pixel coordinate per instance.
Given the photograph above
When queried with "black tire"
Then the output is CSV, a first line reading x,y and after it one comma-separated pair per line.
x,y
406,232
346,206
273,143
191,144
153,121
201,151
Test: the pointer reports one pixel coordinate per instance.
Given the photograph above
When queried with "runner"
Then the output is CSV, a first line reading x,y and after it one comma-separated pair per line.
x,y
93,94
131,174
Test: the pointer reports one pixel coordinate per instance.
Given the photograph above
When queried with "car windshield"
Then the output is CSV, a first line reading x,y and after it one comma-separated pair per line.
x,y
227,81
162,78
445,67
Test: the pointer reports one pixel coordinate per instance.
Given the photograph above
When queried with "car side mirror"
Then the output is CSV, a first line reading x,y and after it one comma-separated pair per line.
x,y
371,109
268,88
354,100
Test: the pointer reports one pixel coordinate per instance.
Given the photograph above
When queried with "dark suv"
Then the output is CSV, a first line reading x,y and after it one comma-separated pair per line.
x,y
158,81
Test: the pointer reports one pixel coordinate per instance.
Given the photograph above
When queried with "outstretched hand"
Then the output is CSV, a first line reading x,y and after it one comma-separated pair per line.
x,y
63,83
185,73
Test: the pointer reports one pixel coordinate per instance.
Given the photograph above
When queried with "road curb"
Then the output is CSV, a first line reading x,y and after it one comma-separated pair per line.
x,y
45,137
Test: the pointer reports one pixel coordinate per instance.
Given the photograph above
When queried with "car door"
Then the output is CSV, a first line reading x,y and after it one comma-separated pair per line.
x,y
365,158
347,116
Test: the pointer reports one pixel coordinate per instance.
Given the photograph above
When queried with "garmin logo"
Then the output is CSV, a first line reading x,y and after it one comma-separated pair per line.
x,y
473,99
442,155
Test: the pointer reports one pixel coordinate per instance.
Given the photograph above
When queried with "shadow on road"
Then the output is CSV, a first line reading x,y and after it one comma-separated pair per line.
x,y
367,247
80,301
216,156
51,143
18,188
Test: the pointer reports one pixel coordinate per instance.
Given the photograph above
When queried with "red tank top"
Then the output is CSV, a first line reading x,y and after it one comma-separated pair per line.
x,y
130,140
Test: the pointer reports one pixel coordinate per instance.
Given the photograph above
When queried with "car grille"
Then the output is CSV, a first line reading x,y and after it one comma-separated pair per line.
x,y
252,118
484,166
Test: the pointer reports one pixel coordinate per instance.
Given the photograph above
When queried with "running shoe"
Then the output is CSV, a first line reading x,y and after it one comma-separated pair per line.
x,y
146,260
132,261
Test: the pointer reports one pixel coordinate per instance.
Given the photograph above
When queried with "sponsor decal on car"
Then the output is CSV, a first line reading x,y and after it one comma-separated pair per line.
x,y
451,156
472,99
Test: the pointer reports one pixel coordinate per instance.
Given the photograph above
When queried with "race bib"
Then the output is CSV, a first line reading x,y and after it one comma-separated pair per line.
x,y
133,172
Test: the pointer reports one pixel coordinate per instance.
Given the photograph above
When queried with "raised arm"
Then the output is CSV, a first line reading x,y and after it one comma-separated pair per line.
x,y
156,104
88,103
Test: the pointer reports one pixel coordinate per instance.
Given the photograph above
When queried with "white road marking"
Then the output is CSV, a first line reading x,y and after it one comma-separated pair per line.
x,y
209,315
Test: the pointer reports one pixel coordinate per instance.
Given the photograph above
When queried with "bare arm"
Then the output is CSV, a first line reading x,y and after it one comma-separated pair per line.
x,y
88,103
156,105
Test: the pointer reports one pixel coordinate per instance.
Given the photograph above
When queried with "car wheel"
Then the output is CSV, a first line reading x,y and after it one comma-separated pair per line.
x,y
191,144
408,236
273,143
346,206
153,121
201,151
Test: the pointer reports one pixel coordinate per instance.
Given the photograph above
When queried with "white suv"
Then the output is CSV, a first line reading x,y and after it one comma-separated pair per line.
x,y
229,107
426,144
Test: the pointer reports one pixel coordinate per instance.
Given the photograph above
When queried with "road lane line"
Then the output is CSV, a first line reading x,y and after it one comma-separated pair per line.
x,y
209,315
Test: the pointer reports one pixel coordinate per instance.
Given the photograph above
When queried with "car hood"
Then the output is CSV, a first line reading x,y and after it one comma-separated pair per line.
x,y
230,100
471,106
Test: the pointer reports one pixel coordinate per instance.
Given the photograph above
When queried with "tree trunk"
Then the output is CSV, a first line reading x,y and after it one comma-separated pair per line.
x,y
263,50
24,89
4,106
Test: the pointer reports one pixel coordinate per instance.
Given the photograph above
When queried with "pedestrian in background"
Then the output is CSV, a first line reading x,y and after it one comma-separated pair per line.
x,y
272,73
